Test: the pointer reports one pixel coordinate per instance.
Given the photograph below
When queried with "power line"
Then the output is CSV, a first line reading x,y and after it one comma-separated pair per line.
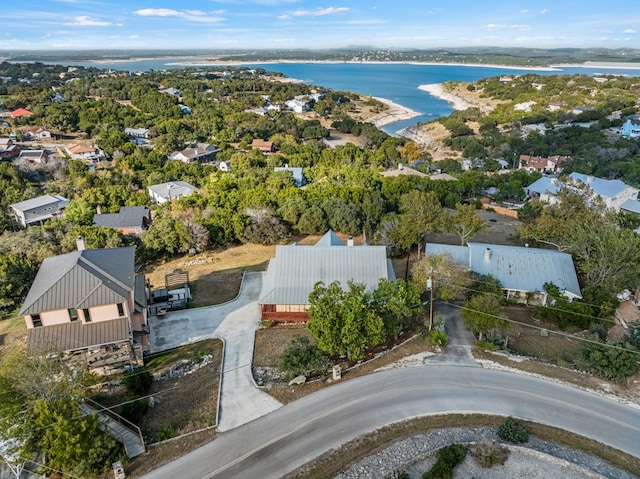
x,y
560,333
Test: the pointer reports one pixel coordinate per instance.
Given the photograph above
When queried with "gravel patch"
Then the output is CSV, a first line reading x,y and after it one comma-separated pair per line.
x,y
537,460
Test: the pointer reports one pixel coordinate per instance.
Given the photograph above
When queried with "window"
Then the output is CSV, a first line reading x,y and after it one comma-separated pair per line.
x,y
73,314
87,318
120,309
35,319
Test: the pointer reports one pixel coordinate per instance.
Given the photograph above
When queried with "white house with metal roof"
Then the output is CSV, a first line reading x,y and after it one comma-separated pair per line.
x,y
38,210
172,190
613,193
92,304
520,270
296,269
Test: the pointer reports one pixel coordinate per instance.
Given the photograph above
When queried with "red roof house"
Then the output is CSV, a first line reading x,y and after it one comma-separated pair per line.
x,y
20,112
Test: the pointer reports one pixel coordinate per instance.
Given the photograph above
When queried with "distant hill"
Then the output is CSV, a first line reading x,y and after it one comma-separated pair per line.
x,y
486,55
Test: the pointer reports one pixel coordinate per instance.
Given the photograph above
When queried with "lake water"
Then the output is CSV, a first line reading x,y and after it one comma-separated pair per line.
x,y
397,82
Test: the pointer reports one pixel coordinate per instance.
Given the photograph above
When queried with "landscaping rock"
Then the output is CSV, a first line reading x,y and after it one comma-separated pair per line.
x,y
298,380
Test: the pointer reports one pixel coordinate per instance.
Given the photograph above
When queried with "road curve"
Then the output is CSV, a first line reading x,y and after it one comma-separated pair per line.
x,y
301,431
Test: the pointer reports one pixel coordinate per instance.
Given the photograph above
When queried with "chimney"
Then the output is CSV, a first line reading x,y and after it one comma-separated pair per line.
x,y
589,179
350,241
80,243
487,254
99,210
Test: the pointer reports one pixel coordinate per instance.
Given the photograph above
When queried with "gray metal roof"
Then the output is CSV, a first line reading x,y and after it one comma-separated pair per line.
x,y
128,217
329,239
631,205
295,270
600,186
517,268
82,279
38,202
545,185
78,335
173,189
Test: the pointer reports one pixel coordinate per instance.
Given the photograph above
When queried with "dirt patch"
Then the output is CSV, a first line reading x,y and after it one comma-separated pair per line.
x,y
502,230
13,334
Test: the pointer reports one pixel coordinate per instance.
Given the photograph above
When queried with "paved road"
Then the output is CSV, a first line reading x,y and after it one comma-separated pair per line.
x,y
300,431
461,340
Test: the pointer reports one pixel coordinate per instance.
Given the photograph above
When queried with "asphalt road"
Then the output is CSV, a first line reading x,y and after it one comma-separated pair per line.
x,y
300,431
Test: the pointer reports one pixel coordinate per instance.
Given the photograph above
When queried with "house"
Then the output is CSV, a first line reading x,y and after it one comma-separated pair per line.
x,y
185,109
542,164
293,272
137,132
613,193
82,152
35,133
130,220
581,109
200,152
172,91
37,210
522,271
90,305
298,178
403,170
172,190
31,157
57,98
8,150
20,112
525,106
631,127
556,105
297,105
263,145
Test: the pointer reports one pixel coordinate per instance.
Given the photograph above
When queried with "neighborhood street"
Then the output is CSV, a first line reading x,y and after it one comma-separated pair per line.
x,y
300,431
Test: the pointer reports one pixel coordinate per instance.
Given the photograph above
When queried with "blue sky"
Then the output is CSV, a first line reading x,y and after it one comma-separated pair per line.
x,y
216,24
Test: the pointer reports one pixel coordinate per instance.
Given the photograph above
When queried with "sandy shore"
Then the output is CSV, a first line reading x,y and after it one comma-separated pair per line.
x,y
393,113
437,90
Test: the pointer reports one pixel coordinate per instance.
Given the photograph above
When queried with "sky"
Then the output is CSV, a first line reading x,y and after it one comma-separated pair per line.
x,y
284,24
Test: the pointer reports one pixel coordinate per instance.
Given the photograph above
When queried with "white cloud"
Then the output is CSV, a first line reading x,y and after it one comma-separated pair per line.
x,y
319,12
87,21
190,15
544,10
284,17
630,31
497,26
524,11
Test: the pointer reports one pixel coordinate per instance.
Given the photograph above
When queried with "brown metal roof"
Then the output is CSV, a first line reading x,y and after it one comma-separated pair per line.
x,y
78,335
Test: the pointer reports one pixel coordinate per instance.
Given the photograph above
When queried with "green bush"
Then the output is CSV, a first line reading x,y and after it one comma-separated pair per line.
x,y
448,458
402,475
513,431
138,382
165,432
487,345
134,411
438,338
301,357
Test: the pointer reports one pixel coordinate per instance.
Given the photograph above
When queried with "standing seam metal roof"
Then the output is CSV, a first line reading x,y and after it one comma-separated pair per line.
x,y
78,335
295,270
82,279
517,268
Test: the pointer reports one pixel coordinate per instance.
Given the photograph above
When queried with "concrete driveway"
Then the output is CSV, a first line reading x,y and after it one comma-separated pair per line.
x,y
235,322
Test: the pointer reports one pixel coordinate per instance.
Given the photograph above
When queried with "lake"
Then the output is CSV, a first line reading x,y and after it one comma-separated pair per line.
x,y
397,82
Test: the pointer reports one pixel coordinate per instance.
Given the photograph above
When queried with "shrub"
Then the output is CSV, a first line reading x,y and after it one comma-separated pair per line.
x,y
165,432
438,338
487,345
448,458
513,431
301,357
138,382
488,453
134,411
403,475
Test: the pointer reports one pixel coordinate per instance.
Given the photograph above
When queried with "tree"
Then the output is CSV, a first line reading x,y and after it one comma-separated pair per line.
x,y
16,274
395,302
616,361
344,322
451,280
41,414
167,235
482,314
466,223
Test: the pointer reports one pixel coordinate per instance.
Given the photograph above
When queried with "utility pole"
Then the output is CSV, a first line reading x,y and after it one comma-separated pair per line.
x,y
430,285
